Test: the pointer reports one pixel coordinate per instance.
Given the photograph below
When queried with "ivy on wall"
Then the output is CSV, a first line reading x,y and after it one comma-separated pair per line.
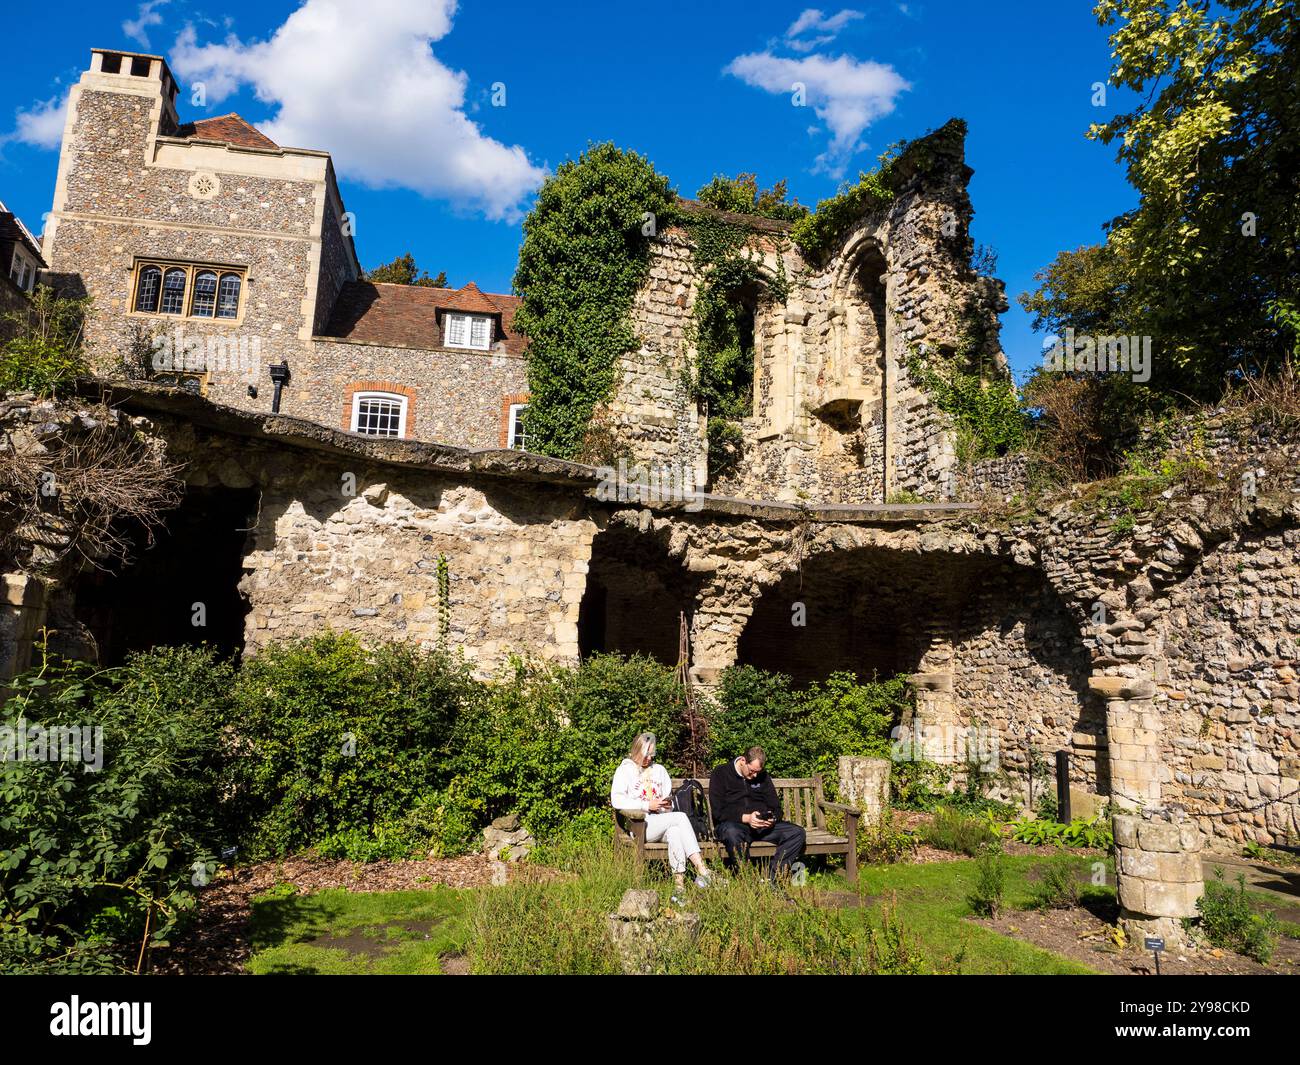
x,y
819,232
732,286
987,413
586,254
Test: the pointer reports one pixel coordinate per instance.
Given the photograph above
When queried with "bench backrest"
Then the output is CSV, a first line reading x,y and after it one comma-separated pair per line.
x,y
799,796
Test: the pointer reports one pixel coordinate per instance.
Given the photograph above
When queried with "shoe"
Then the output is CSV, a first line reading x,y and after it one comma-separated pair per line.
x,y
677,900
704,880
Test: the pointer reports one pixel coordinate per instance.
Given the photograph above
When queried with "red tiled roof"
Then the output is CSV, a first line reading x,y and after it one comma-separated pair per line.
x,y
470,300
408,315
229,129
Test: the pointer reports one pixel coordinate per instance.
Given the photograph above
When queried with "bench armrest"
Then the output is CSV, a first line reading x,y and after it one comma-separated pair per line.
x,y
840,807
631,815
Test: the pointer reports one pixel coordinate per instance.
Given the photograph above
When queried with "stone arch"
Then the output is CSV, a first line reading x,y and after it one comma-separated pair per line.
x,y
986,642
637,588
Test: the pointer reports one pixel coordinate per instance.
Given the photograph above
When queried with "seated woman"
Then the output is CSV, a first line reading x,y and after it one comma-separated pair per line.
x,y
640,784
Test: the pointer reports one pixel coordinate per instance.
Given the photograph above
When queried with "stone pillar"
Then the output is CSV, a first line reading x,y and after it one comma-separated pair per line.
x,y
23,601
715,636
1159,868
1133,739
934,721
864,783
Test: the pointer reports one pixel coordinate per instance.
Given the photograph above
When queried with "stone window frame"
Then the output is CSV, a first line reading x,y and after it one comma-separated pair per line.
x,y
383,388
192,270
508,404
469,330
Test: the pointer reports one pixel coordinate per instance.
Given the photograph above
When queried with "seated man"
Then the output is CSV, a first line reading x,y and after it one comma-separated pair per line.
x,y
746,807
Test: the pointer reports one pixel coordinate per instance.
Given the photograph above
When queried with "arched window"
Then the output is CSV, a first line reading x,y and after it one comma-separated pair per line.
x,y
173,291
228,296
146,289
204,300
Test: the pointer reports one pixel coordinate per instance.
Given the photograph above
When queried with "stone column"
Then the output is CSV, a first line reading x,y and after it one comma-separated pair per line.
x,y
23,601
1133,739
864,783
1159,866
715,636
934,721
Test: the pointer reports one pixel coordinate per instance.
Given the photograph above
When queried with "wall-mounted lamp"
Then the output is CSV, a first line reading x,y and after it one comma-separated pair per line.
x,y
279,377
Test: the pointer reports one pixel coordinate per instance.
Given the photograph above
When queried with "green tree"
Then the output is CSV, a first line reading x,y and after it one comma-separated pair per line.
x,y
1205,264
44,352
742,195
585,255
404,271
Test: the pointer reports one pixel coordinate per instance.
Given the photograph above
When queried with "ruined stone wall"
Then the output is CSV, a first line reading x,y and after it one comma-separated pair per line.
x,y
320,558
652,413
1232,717
1020,673
836,415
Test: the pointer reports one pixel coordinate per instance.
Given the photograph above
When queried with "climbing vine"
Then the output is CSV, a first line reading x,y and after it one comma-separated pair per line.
x,y
986,410
732,288
586,254
444,603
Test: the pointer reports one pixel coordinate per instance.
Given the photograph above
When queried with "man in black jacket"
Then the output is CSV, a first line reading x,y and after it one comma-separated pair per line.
x,y
746,808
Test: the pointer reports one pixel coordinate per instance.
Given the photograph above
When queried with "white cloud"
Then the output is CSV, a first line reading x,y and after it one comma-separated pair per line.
x,y
42,124
146,15
846,95
357,78
827,27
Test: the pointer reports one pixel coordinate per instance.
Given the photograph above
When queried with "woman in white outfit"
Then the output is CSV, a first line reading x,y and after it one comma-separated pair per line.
x,y
641,784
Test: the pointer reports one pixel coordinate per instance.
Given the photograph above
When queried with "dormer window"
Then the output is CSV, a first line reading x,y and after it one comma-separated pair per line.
x,y
468,331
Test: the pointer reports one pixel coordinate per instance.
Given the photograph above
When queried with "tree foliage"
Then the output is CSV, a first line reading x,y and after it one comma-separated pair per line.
x,y
44,352
585,256
742,195
404,271
1206,262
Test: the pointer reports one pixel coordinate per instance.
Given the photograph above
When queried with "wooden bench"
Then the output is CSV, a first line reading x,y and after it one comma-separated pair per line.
x,y
802,802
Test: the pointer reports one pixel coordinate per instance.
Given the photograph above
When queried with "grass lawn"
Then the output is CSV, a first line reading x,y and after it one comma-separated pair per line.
x,y
413,932
931,905
335,932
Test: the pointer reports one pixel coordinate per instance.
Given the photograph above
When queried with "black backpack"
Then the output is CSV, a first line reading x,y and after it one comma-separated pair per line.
x,y
689,800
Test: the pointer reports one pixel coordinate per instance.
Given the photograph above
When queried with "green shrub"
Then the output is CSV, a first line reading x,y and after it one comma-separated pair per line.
x,y
545,740
953,831
1057,887
1228,921
990,881
804,731
44,355
884,842
97,865
331,737
918,785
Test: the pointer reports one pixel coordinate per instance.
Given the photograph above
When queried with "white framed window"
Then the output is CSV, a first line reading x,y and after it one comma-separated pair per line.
x,y
379,414
517,437
468,331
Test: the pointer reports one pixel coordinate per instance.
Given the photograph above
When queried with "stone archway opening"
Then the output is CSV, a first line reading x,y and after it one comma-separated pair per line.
x,y
183,588
636,592
989,644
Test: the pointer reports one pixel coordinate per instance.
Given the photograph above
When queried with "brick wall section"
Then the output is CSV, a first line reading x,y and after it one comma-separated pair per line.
x,y
459,392
412,425
506,403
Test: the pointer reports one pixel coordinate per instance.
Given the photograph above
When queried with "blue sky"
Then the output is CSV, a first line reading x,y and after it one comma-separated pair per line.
x,y
401,92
